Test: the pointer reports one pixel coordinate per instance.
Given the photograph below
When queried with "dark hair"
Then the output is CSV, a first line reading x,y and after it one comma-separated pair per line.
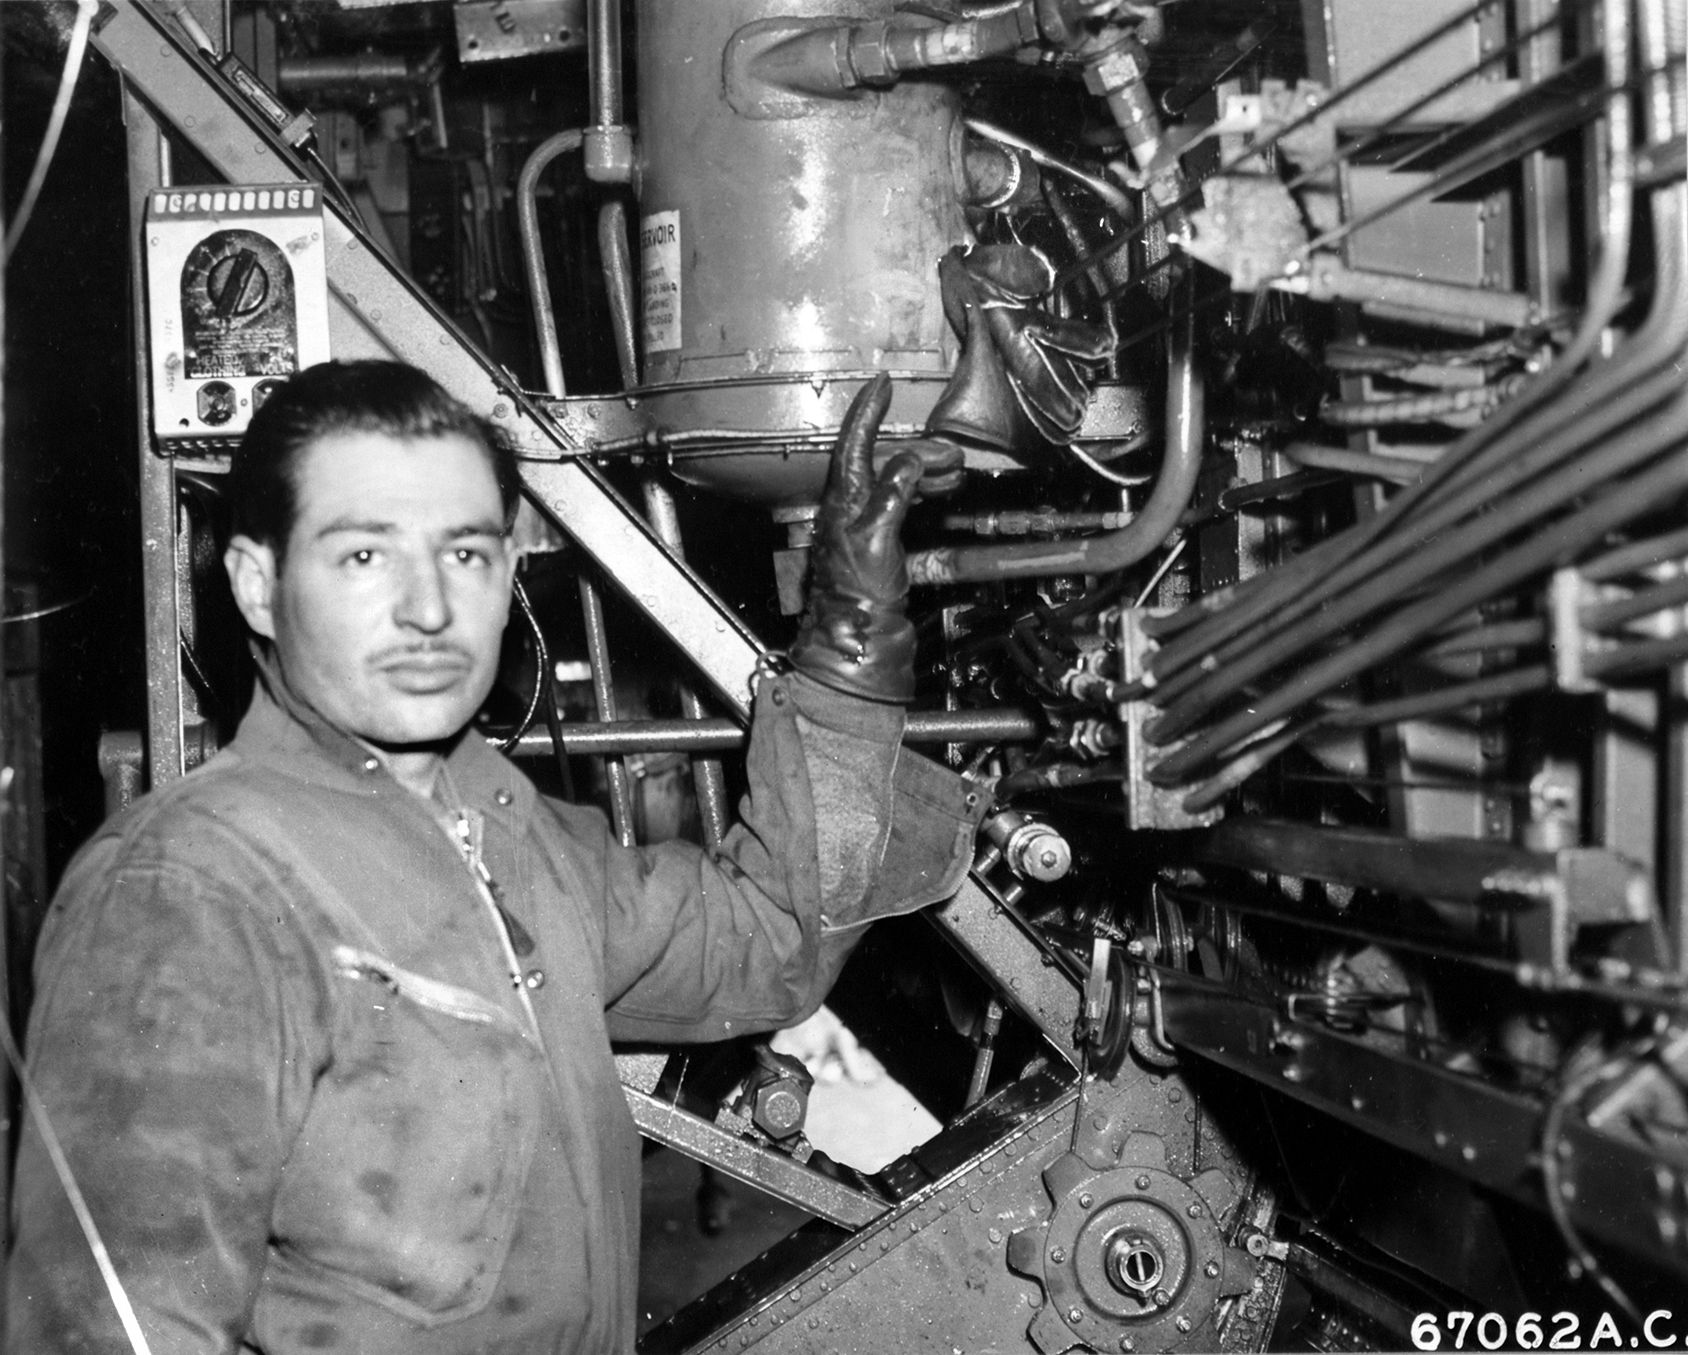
x,y
366,396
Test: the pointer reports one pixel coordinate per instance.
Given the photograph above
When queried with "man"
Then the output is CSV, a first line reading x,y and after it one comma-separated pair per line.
x,y
324,1027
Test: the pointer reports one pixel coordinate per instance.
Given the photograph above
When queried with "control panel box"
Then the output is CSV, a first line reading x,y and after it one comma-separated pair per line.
x,y
237,301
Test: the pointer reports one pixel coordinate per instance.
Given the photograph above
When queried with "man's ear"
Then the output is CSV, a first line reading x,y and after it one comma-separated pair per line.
x,y
252,575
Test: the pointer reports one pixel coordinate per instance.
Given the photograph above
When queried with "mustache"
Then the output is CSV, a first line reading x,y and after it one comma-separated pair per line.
x,y
421,649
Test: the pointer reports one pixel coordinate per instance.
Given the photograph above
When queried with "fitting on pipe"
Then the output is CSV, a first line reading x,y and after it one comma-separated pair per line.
x,y
608,153
1032,850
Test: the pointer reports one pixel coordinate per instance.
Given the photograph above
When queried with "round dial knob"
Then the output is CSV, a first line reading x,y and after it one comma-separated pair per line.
x,y
237,284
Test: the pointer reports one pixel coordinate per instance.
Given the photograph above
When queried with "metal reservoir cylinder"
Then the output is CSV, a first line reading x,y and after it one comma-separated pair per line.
x,y
788,243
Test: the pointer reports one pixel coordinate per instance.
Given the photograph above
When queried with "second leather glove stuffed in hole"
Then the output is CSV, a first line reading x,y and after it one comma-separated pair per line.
x,y
1024,374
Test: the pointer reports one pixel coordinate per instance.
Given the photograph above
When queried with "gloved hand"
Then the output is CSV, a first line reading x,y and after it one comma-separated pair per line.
x,y
1022,375
855,635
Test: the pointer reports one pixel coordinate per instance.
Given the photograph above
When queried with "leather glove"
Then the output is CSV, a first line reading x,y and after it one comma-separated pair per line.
x,y
855,635
1023,373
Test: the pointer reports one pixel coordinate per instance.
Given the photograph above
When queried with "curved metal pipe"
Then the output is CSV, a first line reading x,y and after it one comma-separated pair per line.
x,y
1141,537
533,256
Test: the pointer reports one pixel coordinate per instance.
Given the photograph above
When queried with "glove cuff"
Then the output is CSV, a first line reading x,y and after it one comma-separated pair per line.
x,y
860,649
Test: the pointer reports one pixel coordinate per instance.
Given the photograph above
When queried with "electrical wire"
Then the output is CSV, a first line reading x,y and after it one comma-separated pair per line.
x,y
46,609
74,52
1573,1088
73,1192
1160,573
542,669
1501,52
1111,476
1116,200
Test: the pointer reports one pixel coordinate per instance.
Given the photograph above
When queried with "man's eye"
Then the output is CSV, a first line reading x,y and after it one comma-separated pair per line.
x,y
473,556
365,556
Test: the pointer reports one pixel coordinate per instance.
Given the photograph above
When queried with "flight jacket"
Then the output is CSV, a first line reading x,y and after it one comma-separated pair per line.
x,y
315,1098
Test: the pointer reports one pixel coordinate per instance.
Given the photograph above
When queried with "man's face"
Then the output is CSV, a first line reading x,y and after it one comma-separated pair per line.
x,y
389,604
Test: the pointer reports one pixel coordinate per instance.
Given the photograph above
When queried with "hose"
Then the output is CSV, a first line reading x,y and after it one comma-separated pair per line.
x,y
1642,494
1140,538
1644,368
1477,452
1405,559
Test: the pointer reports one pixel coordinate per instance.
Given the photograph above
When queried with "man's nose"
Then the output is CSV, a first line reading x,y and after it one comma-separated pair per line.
x,y
423,602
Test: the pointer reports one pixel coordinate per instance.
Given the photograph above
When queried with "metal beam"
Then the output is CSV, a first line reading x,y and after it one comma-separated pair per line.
x,y
777,1173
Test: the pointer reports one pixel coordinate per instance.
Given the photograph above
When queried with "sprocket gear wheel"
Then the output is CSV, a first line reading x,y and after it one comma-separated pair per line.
x,y
1131,1257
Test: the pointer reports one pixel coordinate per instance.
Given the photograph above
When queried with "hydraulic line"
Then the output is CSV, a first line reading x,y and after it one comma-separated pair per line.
x,y
1192,194
603,31
618,283
1140,538
1359,147
1498,635
1599,616
1407,557
1654,550
1473,454
533,257
1343,562
1643,602
1643,493
1426,555
1395,469
1653,349
1642,656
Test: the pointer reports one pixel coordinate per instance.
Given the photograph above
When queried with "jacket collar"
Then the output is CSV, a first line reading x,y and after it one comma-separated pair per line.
x,y
282,730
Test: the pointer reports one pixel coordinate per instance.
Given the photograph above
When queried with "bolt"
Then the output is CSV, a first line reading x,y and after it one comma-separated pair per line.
x,y
1075,1315
1182,1323
1057,1254
1162,1298
1086,1200
995,1234
1127,1344
1143,1182
1194,1211
1211,1270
